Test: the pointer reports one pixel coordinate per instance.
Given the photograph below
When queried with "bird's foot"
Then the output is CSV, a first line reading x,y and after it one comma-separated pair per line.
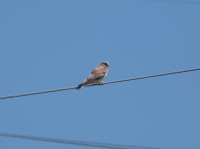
x,y
100,83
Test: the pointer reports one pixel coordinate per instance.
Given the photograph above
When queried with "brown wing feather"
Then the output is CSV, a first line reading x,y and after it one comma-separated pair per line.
x,y
99,69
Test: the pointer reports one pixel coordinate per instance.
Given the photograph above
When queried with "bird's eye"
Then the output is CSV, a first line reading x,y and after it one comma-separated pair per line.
x,y
106,64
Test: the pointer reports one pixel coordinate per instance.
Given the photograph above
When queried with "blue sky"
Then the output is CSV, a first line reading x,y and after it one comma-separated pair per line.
x,y
48,44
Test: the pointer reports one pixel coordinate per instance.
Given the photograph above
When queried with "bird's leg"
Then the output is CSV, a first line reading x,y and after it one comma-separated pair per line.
x,y
100,83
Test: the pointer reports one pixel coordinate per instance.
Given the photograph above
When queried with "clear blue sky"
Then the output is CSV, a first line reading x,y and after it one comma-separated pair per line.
x,y
48,44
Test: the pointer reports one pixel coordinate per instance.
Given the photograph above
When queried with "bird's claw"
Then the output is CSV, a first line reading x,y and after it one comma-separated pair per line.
x,y
100,83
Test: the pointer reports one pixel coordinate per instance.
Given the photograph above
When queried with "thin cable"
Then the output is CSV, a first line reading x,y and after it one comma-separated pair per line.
x,y
74,142
36,93
153,76
116,81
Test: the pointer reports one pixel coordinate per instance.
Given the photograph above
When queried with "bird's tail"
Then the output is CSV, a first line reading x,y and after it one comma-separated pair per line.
x,y
79,86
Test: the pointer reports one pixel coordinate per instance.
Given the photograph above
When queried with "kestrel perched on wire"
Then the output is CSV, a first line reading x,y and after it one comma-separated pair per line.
x,y
96,76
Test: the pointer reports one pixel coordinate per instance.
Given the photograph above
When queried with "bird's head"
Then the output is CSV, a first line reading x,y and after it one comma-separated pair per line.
x,y
105,63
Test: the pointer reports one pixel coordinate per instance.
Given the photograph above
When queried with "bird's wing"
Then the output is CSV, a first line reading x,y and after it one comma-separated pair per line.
x,y
95,77
97,73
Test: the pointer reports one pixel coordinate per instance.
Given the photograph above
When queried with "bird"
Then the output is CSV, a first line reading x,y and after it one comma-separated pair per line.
x,y
96,76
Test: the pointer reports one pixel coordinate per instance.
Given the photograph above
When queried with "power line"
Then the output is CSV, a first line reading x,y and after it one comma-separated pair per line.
x,y
74,142
116,81
153,76
36,93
